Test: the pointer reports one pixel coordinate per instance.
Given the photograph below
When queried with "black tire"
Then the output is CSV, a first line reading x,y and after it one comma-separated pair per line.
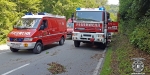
x,y
38,48
62,40
71,36
14,50
77,43
103,46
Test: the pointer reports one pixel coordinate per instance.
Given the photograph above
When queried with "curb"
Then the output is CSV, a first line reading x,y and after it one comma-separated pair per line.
x,y
100,64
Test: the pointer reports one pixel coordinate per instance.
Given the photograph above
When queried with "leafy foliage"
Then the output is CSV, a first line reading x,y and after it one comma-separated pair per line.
x,y
134,21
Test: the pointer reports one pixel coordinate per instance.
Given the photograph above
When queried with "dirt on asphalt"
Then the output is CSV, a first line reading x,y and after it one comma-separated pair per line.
x,y
56,68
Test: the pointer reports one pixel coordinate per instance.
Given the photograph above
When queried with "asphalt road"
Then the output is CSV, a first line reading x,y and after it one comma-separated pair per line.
x,y
78,61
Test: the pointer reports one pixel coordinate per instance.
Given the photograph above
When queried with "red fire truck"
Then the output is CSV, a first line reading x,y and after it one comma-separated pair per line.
x,y
35,31
92,25
69,28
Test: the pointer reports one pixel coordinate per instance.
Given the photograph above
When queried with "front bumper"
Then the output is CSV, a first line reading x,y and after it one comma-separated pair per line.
x,y
98,37
21,45
69,33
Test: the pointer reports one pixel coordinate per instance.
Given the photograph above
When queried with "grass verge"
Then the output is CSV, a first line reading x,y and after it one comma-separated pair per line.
x,y
106,66
118,57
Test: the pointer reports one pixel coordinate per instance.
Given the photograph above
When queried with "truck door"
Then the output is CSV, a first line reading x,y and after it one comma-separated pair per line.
x,y
112,27
45,32
50,31
55,30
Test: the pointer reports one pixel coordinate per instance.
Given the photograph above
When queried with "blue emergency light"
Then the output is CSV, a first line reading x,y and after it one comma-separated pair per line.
x,y
42,13
78,8
29,13
102,8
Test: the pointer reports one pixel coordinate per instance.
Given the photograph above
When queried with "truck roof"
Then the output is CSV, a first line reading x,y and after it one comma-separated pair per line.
x,y
41,16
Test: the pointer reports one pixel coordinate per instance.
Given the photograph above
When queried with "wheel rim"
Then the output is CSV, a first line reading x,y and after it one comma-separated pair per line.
x,y
39,48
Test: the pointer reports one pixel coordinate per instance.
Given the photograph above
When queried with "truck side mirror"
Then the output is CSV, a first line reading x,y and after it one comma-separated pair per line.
x,y
41,27
72,17
108,15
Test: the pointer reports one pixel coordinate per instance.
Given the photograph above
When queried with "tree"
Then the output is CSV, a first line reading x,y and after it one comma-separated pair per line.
x,y
7,15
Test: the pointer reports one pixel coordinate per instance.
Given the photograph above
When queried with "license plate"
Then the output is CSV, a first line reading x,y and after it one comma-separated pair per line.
x,y
15,45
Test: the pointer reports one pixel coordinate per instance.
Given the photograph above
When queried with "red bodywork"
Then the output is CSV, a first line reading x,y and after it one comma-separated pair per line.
x,y
56,28
95,27
112,27
69,29
88,27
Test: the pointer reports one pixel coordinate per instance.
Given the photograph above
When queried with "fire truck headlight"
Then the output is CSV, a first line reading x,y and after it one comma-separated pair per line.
x,y
74,34
28,39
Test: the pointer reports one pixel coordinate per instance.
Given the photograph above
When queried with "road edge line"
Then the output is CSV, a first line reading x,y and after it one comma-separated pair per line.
x,y
15,69
100,64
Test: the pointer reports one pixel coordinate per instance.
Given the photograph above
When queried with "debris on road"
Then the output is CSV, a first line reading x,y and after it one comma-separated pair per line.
x,y
96,56
56,68
47,52
54,53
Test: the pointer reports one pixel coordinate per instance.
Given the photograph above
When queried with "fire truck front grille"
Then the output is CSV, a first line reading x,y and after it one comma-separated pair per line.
x,y
16,39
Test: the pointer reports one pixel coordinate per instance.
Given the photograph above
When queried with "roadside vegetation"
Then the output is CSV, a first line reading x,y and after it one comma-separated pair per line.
x,y
12,10
118,57
106,69
134,18
132,40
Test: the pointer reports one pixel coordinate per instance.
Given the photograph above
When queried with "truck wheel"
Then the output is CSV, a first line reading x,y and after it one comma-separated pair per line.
x,y
61,42
14,50
76,43
103,46
38,48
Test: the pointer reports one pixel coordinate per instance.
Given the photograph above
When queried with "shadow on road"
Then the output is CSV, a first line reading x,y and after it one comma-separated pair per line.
x,y
51,46
90,47
68,38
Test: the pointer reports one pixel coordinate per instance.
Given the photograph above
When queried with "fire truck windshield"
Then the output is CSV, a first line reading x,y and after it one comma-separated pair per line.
x,y
70,25
28,23
89,15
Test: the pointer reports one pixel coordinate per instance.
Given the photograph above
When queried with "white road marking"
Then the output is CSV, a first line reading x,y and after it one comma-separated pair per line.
x,y
99,65
15,69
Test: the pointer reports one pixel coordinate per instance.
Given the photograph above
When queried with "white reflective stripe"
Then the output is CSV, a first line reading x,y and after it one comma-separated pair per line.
x,y
35,37
50,35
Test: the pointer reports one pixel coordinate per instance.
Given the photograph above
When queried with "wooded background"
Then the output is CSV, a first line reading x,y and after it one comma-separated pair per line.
x,y
135,21
12,10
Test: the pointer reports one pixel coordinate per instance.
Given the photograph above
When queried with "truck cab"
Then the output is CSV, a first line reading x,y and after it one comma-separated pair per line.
x,y
35,31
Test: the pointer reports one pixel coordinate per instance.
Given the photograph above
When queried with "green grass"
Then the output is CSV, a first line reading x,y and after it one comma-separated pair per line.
x,y
122,51
106,69
125,64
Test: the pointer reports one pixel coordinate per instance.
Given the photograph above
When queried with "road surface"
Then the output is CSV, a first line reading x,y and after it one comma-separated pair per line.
x,y
78,61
